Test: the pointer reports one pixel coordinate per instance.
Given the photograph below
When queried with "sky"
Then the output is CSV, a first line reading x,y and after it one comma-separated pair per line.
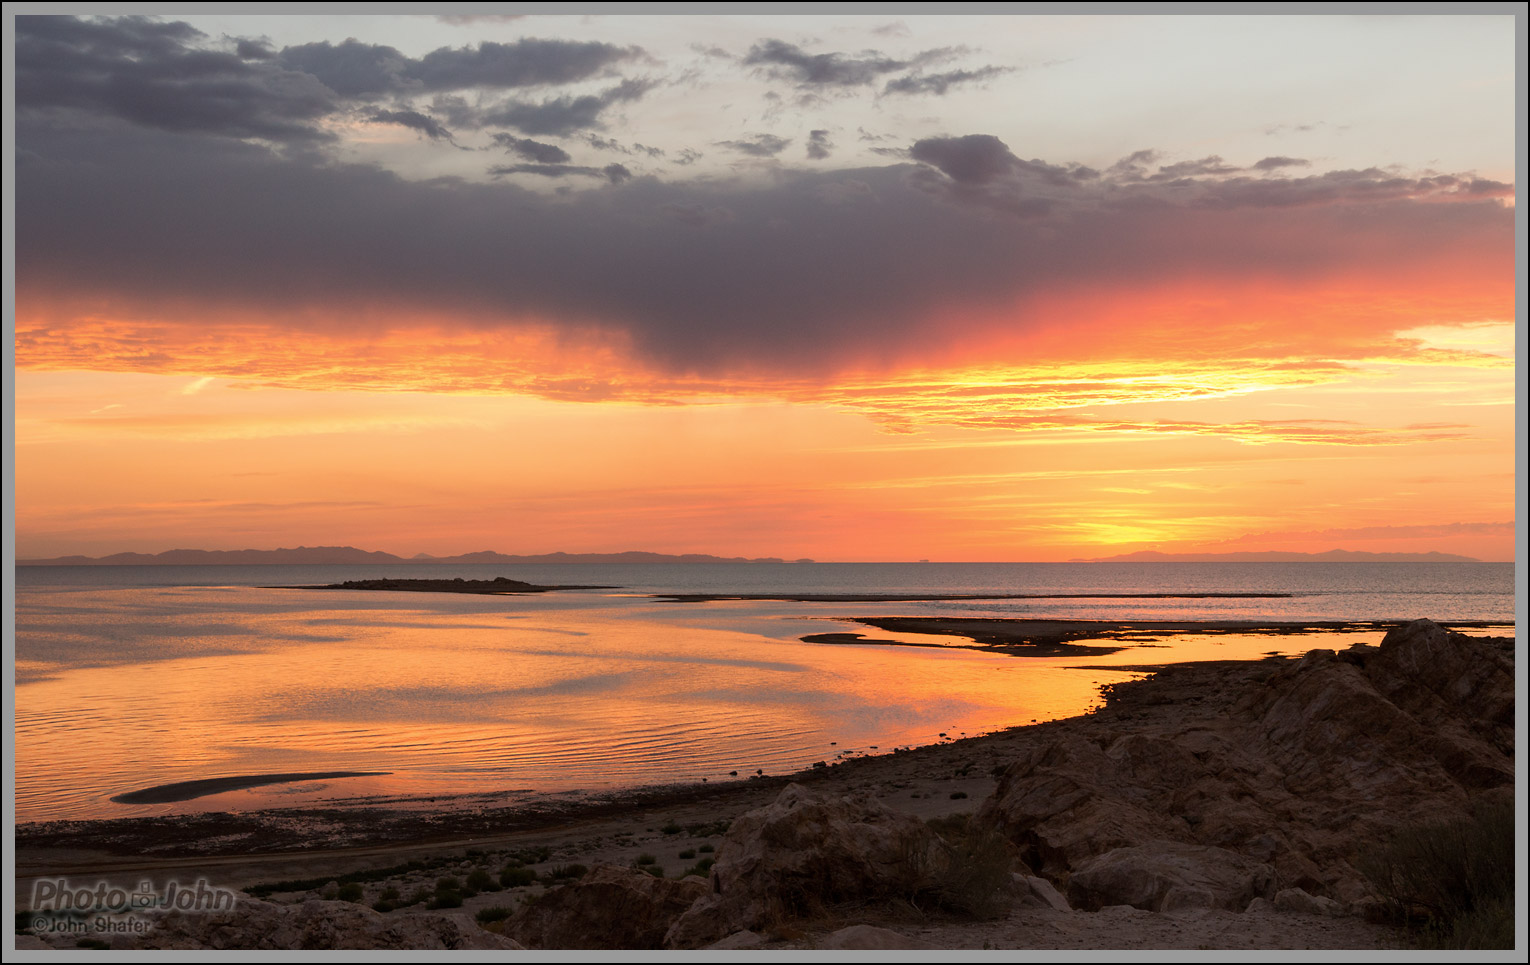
x,y
874,287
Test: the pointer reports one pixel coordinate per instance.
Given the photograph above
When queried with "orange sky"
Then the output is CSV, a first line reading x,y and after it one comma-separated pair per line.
x,y
248,331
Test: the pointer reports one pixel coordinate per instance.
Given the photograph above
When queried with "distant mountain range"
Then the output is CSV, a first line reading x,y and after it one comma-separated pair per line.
x,y
324,555
327,555
1332,556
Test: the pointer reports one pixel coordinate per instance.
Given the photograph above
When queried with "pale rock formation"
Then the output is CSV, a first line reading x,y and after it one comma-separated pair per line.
x,y
805,852
1276,786
610,907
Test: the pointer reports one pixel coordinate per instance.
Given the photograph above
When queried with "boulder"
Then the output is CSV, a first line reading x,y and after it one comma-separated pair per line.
x,y
610,907
1297,901
869,937
1167,876
804,853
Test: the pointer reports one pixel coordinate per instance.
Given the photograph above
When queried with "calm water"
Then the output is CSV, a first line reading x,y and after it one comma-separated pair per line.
x,y
129,677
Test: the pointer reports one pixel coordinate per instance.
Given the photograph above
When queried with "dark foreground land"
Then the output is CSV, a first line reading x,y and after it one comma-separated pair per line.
x,y
1212,805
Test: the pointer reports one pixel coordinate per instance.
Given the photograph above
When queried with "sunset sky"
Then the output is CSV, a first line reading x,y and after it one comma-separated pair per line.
x,y
881,287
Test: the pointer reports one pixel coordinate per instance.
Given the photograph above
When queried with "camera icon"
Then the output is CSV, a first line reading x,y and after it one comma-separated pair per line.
x,y
144,897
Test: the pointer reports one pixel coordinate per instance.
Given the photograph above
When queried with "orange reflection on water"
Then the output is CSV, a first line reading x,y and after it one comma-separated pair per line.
x,y
485,694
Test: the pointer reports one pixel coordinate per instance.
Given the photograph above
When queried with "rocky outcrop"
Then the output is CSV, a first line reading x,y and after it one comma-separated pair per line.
x,y
804,853
254,924
1274,787
868,937
1168,876
610,907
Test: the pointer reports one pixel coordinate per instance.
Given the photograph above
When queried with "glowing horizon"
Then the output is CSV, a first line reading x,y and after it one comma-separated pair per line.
x,y
718,285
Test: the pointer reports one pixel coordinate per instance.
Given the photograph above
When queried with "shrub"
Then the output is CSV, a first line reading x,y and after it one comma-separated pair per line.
x,y
672,828
445,899
517,877
1452,882
644,859
480,880
496,913
351,891
706,849
687,854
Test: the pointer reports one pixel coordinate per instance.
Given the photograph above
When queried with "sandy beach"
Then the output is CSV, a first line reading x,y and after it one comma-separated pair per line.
x,y
1178,770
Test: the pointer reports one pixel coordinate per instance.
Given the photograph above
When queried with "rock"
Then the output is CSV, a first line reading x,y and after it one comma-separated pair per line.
x,y
739,939
610,907
804,853
869,937
1042,890
1165,876
1298,901
316,924
31,943
1289,770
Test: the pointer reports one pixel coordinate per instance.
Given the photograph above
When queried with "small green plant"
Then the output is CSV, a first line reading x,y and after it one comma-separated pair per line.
x,y
445,899
652,869
350,891
672,828
687,854
958,795
644,859
390,893
706,849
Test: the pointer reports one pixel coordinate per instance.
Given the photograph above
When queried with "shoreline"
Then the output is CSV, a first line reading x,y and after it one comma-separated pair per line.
x,y
1168,731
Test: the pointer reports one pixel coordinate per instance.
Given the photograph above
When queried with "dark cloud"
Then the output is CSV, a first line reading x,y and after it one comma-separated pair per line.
x,y
1275,163
254,50
166,74
610,144
1189,169
351,68
705,276
536,151
758,145
413,120
940,83
1133,167
563,115
151,73
355,69
525,63
614,173
790,62
819,146
970,159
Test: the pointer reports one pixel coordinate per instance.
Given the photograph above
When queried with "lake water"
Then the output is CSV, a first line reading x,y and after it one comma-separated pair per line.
x,y
129,677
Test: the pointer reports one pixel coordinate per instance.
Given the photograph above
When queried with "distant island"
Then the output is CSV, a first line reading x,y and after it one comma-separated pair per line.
x,y
1332,556
330,555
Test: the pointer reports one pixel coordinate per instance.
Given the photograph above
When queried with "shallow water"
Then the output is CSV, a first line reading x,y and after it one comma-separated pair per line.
x,y
144,677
